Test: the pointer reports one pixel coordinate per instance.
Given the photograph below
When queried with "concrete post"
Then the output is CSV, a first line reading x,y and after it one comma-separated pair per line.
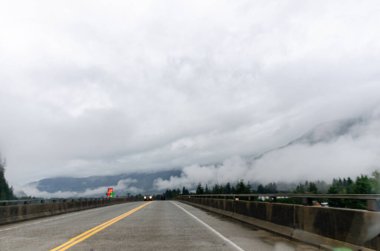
x,y
373,205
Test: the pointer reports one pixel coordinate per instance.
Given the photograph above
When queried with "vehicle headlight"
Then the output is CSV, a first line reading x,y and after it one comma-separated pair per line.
x,y
144,197
150,197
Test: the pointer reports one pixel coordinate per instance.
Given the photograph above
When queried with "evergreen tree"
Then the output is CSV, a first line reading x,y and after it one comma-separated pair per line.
x,y
271,188
375,182
215,189
260,189
200,189
207,191
363,185
185,191
171,194
312,188
227,188
242,188
6,192
300,188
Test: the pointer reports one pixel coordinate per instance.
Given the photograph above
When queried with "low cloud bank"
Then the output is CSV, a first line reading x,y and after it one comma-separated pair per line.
x,y
337,149
121,189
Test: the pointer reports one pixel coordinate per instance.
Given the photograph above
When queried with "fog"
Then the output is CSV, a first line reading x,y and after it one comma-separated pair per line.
x,y
100,88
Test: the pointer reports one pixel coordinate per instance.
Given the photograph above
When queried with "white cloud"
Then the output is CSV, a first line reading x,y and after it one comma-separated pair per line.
x,y
325,156
99,87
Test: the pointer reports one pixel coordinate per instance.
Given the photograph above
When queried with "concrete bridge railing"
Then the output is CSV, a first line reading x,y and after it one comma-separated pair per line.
x,y
15,211
325,227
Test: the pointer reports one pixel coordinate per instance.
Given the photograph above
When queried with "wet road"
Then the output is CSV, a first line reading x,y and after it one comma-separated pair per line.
x,y
157,225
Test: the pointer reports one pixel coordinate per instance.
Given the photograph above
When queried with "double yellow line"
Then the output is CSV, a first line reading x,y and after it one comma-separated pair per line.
x,y
96,229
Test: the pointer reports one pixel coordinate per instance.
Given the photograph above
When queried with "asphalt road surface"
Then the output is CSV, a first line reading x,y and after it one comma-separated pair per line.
x,y
157,225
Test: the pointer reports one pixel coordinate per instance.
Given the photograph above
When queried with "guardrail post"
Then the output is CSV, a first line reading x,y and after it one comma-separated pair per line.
x,y
373,205
307,201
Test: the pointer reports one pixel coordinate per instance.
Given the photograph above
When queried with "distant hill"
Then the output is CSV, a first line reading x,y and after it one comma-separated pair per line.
x,y
140,182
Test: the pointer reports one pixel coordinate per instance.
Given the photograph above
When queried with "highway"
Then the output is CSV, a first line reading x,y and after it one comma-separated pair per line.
x,y
157,225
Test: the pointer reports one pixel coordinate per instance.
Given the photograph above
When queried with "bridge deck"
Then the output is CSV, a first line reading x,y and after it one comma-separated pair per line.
x,y
161,225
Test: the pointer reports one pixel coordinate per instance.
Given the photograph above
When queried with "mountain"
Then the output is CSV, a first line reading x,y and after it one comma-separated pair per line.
x,y
135,181
144,182
327,132
322,133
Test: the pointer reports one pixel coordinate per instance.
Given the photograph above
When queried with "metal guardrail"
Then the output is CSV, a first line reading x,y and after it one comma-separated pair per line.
x,y
373,200
294,195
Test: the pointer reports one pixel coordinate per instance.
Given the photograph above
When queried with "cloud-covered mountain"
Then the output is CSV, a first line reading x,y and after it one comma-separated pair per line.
x,y
323,133
123,184
332,149
329,131
340,148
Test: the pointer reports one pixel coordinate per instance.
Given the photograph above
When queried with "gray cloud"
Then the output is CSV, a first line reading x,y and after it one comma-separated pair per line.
x,y
119,189
101,88
333,149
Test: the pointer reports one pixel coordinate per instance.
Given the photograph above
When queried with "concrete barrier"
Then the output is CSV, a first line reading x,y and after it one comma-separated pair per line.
x,y
16,213
321,226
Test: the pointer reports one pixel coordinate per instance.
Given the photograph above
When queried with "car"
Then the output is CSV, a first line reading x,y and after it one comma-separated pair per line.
x,y
148,197
324,204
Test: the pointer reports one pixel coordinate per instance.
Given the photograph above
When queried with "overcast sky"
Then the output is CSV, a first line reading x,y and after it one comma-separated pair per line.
x,y
107,87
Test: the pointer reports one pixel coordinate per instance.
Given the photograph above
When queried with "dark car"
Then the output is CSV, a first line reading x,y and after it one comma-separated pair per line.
x,y
148,197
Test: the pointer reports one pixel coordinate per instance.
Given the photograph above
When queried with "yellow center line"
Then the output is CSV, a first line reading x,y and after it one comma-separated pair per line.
x,y
94,230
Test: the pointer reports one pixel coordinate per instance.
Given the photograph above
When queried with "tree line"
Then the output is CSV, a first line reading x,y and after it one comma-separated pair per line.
x,y
363,184
6,192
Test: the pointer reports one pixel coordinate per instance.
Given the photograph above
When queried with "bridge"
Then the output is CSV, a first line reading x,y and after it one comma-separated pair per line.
x,y
157,225
189,223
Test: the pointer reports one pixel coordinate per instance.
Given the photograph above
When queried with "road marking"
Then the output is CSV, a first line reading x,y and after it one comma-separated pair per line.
x,y
211,229
94,230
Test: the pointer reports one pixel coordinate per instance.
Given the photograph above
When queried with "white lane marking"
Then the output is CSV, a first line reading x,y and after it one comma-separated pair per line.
x,y
210,228
55,218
